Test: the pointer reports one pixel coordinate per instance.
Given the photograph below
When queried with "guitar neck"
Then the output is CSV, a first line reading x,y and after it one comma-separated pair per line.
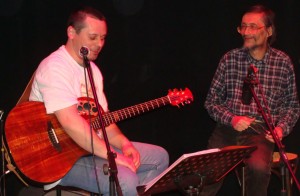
x,y
132,111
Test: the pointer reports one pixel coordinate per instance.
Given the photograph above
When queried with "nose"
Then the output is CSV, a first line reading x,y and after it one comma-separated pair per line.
x,y
245,31
101,43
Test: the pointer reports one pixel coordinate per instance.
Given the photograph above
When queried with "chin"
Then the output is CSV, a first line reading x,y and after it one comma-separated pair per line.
x,y
250,46
93,57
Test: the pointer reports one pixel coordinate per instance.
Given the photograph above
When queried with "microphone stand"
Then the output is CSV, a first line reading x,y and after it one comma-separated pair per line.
x,y
283,157
113,171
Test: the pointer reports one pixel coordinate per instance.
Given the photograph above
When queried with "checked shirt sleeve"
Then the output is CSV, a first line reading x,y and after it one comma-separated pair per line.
x,y
215,100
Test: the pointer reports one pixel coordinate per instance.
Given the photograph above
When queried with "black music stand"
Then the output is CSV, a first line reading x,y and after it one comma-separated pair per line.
x,y
191,172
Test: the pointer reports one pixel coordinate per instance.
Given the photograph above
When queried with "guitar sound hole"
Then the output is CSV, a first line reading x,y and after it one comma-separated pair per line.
x,y
87,106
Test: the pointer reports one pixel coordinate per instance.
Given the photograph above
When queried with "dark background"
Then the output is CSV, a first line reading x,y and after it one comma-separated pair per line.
x,y
152,46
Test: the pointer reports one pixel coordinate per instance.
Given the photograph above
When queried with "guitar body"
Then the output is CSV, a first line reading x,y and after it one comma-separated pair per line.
x,y
28,140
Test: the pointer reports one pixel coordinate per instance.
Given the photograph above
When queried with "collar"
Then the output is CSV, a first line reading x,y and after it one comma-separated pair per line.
x,y
263,61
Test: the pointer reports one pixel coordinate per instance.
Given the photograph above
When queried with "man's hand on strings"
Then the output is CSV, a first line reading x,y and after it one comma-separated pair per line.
x,y
278,131
240,123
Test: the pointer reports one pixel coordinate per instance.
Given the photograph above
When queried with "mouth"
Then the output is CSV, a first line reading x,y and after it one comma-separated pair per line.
x,y
95,53
246,38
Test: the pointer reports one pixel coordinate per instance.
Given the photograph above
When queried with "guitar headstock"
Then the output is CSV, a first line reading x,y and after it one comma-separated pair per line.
x,y
180,97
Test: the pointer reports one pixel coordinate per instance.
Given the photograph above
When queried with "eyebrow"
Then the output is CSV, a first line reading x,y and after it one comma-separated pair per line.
x,y
96,34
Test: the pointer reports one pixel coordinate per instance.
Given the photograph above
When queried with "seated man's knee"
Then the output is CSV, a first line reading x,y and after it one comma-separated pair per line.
x,y
164,157
259,166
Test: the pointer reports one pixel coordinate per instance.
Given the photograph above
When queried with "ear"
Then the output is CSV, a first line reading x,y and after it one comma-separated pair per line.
x,y
270,31
71,32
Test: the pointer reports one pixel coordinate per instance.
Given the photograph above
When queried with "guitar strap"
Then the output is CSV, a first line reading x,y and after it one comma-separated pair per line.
x,y
24,97
10,166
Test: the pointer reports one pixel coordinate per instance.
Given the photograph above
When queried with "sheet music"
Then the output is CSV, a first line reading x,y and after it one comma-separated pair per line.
x,y
184,156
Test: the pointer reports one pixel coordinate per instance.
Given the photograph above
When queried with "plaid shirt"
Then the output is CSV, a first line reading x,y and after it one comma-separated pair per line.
x,y
276,78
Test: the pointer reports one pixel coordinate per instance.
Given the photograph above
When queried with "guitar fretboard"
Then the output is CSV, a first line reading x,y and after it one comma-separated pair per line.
x,y
131,111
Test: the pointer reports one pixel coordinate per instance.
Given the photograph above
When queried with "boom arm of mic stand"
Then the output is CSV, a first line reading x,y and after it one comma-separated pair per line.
x,y
278,143
113,171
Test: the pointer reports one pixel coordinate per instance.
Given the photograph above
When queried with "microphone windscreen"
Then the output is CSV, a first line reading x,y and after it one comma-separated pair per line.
x,y
84,51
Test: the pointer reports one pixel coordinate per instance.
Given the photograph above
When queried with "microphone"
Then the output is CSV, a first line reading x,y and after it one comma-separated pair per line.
x,y
249,80
84,51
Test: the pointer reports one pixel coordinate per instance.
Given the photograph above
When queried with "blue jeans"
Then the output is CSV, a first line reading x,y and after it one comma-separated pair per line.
x,y
154,160
257,166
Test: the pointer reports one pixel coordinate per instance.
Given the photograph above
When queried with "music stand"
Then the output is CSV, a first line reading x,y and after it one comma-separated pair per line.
x,y
197,170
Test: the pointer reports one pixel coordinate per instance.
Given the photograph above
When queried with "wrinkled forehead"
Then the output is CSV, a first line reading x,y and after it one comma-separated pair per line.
x,y
253,18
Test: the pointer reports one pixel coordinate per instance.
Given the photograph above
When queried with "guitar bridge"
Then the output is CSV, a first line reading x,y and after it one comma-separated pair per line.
x,y
53,137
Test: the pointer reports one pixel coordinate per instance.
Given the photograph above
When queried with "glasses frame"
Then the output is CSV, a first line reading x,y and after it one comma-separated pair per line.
x,y
251,28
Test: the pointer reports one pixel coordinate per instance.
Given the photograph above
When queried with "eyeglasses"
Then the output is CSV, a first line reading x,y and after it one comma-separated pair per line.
x,y
251,27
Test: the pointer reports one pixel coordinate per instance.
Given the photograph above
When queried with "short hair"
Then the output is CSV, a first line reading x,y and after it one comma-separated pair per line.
x,y
78,16
268,19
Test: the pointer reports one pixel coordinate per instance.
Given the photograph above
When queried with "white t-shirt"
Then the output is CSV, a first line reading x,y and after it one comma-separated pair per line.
x,y
60,82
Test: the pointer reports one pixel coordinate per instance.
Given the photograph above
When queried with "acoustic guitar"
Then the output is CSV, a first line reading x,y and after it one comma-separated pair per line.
x,y
41,149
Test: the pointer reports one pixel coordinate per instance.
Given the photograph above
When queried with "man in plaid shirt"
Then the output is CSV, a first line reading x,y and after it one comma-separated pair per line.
x,y
241,123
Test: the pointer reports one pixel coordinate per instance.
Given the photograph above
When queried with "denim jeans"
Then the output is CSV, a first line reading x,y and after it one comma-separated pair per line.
x,y
154,160
257,166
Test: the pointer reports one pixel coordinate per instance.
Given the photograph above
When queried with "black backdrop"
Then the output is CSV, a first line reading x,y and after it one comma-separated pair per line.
x,y
152,46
